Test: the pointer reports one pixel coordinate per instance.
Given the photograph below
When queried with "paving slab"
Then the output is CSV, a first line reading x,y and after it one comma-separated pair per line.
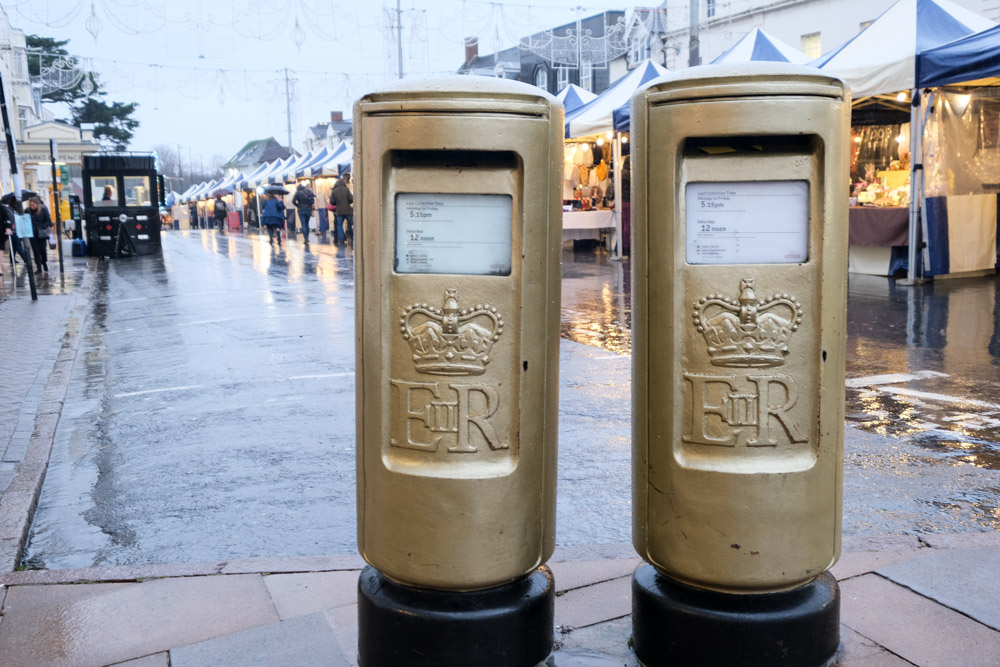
x,y
858,651
601,602
344,621
306,593
148,618
574,574
601,645
155,660
966,580
913,627
306,640
855,563
25,598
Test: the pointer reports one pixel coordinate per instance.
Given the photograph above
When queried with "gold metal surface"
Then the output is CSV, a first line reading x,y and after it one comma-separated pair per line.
x,y
738,369
457,374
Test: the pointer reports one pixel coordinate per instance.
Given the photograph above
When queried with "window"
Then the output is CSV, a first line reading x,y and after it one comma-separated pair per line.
x,y
542,78
562,77
137,191
587,75
640,49
811,45
102,191
709,8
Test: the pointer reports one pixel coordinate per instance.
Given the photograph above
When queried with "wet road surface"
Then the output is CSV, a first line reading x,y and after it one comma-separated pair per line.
x,y
211,411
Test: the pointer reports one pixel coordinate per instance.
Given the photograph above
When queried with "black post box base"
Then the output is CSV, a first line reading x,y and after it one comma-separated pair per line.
x,y
678,625
506,626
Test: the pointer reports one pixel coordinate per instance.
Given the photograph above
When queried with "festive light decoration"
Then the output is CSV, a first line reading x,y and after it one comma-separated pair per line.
x,y
93,24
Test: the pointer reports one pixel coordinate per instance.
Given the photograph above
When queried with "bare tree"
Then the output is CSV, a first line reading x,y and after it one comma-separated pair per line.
x,y
169,164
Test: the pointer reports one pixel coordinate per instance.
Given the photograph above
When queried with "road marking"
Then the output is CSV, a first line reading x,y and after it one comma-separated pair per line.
x,y
325,375
892,378
108,333
157,391
942,398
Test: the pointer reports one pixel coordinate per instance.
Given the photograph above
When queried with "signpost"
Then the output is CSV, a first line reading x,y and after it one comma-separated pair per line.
x,y
53,156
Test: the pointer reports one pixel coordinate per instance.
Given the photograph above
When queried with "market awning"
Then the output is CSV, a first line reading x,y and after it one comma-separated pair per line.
x,y
573,97
598,115
882,58
971,58
303,170
758,45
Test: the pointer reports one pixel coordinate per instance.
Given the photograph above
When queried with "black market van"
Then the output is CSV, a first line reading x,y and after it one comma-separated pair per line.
x,y
121,205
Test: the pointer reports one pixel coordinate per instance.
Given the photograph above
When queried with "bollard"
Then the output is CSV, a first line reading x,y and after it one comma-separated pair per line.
x,y
458,280
739,308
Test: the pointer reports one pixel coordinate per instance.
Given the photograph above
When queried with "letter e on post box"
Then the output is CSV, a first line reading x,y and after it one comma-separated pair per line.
x,y
739,299
459,233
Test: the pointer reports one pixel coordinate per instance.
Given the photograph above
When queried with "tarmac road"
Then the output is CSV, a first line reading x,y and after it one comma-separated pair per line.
x,y
210,414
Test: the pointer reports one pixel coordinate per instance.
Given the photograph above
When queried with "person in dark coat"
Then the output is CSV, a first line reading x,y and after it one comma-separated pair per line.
x,y
220,211
272,215
303,202
343,205
8,205
41,221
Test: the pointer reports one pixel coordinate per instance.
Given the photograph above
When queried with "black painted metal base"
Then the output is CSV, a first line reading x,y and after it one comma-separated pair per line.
x,y
678,625
506,626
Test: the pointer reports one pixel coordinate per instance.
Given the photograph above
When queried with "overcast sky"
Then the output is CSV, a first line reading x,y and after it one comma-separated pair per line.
x,y
209,75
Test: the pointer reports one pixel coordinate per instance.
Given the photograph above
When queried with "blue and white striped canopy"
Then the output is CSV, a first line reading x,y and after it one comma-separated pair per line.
x,y
573,97
881,59
758,45
601,113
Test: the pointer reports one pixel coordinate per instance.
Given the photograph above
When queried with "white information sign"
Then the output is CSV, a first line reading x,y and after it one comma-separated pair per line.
x,y
453,233
747,222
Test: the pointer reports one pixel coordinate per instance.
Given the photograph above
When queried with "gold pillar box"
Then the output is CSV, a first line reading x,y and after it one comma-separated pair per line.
x,y
457,269
739,301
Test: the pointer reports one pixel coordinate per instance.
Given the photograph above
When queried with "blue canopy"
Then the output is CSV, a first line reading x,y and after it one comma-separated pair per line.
x,y
974,57
600,114
758,45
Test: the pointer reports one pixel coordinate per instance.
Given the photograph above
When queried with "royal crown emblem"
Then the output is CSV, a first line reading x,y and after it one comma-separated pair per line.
x,y
747,332
449,340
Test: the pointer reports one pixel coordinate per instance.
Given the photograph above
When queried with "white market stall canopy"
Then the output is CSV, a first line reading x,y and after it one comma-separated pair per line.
x,y
882,58
303,170
758,45
337,162
573,97
597,116
255,176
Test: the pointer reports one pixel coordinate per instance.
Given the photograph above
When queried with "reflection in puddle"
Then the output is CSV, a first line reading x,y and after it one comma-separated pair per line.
x,y
948,326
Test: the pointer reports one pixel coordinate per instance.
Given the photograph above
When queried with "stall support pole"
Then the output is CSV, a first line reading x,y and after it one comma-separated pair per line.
x,y
617,161
916,172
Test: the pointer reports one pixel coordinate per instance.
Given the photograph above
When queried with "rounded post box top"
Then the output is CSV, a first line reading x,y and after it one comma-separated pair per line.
x,y
744,79
459,87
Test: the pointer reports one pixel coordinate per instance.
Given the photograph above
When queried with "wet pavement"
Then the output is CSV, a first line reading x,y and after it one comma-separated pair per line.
x,y
210,414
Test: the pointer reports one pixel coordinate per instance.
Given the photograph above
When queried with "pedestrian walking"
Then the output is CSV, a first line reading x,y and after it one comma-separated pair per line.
x,y
41,221
303,202
343,210
220,211
272,215
8,205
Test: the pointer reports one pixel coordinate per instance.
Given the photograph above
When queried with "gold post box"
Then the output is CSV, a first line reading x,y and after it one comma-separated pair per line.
x,y
739,314
458,293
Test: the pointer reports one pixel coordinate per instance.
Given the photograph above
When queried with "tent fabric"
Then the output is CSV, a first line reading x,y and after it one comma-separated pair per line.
x,y
251,180
333,165
968,59
882,58
275,175
287,173
758,45
572,97
303,170
599,114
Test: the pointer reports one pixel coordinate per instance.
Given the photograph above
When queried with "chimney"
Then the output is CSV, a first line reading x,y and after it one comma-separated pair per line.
x,y
471,48
336,116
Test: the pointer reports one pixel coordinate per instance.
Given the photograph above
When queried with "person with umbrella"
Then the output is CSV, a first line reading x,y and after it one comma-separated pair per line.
x,y
273,213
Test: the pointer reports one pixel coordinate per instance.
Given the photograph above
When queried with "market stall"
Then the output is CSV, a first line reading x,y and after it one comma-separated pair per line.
x,y
592,128
881,66
757,46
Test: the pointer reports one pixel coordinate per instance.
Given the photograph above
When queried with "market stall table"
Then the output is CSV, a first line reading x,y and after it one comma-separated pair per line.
x,y
875,236
578,225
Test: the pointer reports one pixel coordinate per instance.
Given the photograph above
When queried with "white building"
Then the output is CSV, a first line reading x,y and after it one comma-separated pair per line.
x,y
814,26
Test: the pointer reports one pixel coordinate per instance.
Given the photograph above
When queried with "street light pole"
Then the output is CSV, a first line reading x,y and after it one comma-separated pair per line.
x,y
55,203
